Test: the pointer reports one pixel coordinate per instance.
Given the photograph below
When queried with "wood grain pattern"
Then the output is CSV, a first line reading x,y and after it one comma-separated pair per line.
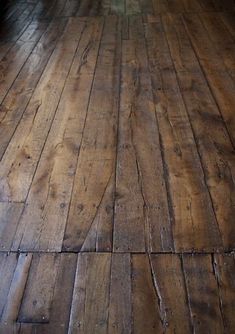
x,y
141,208
91,283
224,269
220,81
48,195
38,293
167,273
195,226
117,166
203,294
24,150
14,104
214,145
116,293
92,195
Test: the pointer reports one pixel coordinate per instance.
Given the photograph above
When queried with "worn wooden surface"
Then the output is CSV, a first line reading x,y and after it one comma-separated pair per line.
x,y
117,166
117,293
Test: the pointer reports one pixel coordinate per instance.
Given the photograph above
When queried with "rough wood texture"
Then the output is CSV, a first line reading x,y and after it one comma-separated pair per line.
x,y
117,166
117,293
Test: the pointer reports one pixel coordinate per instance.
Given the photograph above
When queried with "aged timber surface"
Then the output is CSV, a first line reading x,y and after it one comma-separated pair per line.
x,y
117,166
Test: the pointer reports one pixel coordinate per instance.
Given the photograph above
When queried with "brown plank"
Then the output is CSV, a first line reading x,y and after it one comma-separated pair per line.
x,y
195,226
50,192
146,314
168,6
180,46
8,264
21,157
62,297
96,162
100,7
229,22
221,83
89,310
37,299
42,9
10,328
192,6
15,102
202,294
9,217
224,266
84,8
61,302
172,295
12,304
175,6
210,5
17,55
135,27
159,7
15,26
120,295
4,48
58,9
141,209
222,40
215,147
146,6
132,7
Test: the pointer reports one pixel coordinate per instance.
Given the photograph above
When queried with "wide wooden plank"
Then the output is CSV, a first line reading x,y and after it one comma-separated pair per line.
x,y
21,157
37,299
141,209
195,226
224,266
203,294
146,312
8,264
172,295
9,216
91,284
120,295
94,180
62,297
50,192
215,148
15,102
221,83
12,304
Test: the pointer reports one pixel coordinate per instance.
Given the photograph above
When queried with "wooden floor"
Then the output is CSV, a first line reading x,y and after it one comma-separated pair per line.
x,y
117,166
